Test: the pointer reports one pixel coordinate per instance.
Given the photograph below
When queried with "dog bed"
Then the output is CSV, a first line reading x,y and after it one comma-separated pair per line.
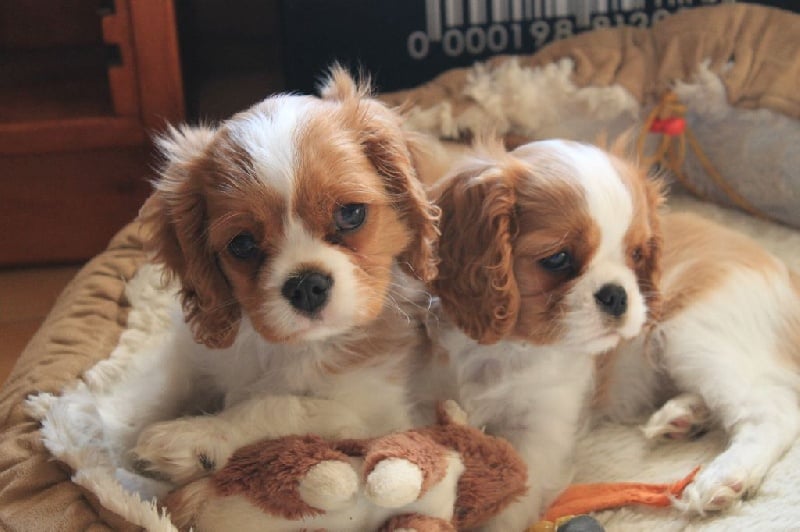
x,y
735,68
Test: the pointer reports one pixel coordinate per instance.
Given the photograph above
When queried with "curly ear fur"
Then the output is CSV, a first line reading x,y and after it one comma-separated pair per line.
x,y
476,280
388,151
340,85
389,148
175,221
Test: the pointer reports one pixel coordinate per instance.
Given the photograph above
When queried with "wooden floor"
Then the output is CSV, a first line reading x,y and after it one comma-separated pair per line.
x,y
26,296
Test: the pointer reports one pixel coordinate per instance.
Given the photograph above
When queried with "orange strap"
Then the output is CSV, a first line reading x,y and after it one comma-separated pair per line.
x,y
584,498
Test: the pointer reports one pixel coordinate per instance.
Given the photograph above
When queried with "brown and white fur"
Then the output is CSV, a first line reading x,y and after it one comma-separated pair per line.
x,y
298,315
693,307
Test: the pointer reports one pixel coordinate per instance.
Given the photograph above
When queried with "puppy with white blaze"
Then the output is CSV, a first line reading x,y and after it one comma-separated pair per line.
x,y
296,230
557,253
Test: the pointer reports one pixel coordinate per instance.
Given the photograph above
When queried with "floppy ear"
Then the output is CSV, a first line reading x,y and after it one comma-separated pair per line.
x,y
340,85
388,147
476,280
175,220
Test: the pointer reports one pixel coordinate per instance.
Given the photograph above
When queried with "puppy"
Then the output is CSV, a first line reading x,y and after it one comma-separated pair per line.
x,y
294,230
724,351
557,252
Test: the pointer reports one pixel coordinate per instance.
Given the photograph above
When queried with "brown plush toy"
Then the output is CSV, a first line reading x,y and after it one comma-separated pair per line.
x,y
448,476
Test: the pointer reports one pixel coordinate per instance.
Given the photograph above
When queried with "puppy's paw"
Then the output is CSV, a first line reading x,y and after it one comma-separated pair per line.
x,y
394,483
340,425
683,417
37,406
182,450
520,514
717,487
329,485
454,412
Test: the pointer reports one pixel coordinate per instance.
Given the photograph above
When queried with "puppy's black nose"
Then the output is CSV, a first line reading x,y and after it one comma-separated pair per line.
x,y
612,299
307,291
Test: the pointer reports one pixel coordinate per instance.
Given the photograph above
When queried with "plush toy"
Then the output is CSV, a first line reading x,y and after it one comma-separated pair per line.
x,y
448,476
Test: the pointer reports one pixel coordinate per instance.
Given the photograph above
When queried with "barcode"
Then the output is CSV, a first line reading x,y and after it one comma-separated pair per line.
x,y
443,14
477,27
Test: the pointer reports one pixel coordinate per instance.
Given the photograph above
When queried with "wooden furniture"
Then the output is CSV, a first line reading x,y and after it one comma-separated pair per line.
x,y
84,85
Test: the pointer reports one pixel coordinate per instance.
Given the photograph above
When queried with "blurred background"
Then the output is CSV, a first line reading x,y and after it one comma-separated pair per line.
x,y
84,84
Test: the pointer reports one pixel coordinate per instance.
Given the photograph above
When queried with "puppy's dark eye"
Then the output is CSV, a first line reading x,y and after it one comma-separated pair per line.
x,y
350,216
560,262
243,246
637,254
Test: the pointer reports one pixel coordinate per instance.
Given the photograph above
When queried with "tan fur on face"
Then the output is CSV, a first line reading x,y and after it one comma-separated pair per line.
x,y
644,241
387,146
551,218
343,174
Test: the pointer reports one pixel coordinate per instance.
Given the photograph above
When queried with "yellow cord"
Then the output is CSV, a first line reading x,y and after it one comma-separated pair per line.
x,y
671,152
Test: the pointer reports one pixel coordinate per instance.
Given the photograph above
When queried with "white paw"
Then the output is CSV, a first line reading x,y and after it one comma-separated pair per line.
x,y
455,412
182,450
332,422
504,523
682,417
393,483
37,406
717,487
519,515
329,485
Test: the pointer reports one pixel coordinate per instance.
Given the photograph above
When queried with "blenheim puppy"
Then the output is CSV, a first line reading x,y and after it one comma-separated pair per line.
x,y
294,230
553,254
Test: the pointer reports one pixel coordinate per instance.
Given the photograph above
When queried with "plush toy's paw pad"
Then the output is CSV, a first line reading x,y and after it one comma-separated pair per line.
x,y
329,485
682,417
180,450
454,412
393,483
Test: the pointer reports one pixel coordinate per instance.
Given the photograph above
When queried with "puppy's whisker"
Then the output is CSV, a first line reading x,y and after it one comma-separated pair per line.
x,y
225,304
399,308
423,306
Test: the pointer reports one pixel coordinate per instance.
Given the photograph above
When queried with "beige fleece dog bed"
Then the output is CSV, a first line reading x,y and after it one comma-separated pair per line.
x,y
575,88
